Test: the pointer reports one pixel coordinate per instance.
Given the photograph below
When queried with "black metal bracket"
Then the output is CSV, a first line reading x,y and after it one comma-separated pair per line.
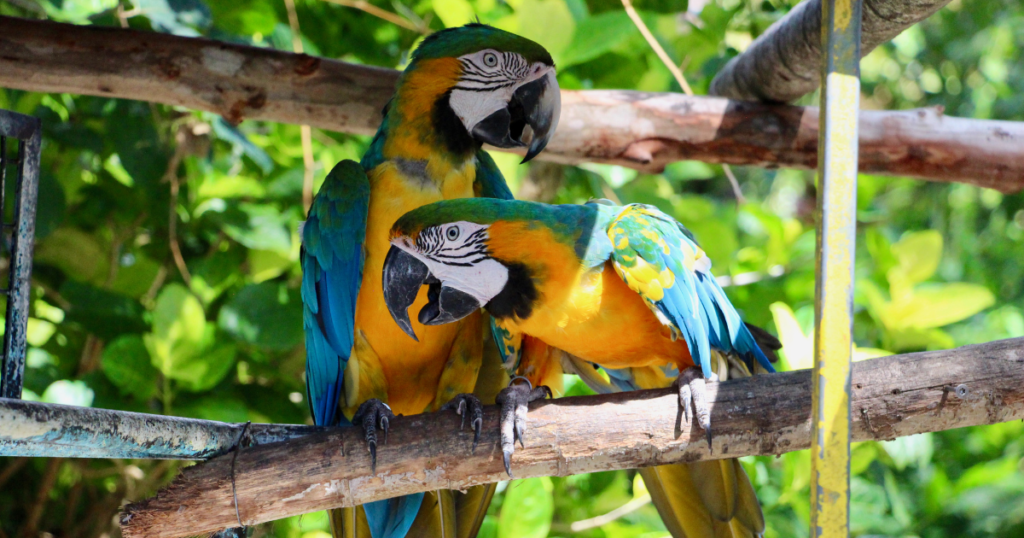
x,y
18,238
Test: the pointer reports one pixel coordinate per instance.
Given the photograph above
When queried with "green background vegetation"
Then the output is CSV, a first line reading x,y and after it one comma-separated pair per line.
x,y
116,324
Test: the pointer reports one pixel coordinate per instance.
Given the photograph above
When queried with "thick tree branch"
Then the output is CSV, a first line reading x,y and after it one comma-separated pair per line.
x,y
641,130
770,414
784,63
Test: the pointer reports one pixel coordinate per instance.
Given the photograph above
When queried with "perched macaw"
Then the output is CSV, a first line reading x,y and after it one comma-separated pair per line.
x,y
463,87
626,288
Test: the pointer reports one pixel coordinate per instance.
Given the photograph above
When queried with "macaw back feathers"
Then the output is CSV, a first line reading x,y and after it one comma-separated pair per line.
x,y
332,266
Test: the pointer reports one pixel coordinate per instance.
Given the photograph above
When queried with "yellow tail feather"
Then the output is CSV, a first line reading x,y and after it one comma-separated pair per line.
x,y
470,509
349,523
712,499
436,517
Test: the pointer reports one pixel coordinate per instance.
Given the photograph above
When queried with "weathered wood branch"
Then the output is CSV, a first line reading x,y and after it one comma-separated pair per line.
x,y
641,130
784,63
892,397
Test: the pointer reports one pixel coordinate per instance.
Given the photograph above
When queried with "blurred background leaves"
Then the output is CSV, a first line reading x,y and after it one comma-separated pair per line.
x,y
119,322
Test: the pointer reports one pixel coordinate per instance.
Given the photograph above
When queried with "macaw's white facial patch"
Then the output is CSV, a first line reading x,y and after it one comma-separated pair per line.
x,y
489,78
456,254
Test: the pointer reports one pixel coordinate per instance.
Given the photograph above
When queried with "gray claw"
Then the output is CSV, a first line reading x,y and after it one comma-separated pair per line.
x,y
514,401
693,399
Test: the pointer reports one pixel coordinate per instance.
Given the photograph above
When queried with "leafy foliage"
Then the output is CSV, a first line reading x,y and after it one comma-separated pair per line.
x,y
120,322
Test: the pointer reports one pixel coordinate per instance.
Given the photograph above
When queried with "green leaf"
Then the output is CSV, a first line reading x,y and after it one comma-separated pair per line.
x,y
258,226
127,365
101,312
528,508
207,367
917,255
267,315
138,145
912,450
267,264
76,253
597,35
179,326
939,305
65,392
797,347
216,407
454,12
548,22
179,17
135,275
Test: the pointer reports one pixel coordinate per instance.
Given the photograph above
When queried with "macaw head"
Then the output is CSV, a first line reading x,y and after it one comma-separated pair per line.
x,y
486,85
472,253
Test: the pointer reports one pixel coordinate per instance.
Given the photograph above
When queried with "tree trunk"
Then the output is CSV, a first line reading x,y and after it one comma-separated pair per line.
x,y
784,63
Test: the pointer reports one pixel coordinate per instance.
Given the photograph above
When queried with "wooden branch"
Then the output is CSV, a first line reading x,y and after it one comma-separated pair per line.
x,y
892,397
645,131
784,63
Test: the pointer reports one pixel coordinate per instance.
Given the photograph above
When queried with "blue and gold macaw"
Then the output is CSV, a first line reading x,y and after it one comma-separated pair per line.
x,y
463,87
625,288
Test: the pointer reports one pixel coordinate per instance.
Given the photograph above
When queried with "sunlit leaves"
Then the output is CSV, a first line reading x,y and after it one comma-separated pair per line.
x,y
65,392
182,345
527,509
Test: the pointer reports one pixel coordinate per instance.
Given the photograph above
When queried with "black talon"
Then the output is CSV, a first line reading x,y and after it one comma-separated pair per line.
x,y
468,404
514,401
371,413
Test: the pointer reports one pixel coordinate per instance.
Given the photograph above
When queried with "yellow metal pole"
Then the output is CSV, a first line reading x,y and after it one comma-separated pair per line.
x,y
837,209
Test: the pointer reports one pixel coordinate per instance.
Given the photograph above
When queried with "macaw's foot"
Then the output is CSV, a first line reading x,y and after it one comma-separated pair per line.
x,y
373,414
693,398
468,405
514,400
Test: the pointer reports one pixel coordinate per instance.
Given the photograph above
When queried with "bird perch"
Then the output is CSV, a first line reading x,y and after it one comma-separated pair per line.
x,y
640,130
892,397
784,63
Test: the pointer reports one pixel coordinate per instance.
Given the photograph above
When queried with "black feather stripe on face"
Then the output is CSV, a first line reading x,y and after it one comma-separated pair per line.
x,y
517,297
451,131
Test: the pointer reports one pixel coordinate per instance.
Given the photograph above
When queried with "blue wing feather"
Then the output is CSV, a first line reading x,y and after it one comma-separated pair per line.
x,y
392,518
489,181
692,303
332,263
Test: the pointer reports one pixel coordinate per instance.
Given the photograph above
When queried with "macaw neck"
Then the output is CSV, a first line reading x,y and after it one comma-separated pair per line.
x,y
421,131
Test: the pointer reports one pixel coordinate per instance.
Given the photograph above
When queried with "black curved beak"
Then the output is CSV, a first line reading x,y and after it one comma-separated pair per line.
x,y
403,276
536,104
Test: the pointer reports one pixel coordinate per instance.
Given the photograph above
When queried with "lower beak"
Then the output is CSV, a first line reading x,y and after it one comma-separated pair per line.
x,y
446,304
403,276
537,104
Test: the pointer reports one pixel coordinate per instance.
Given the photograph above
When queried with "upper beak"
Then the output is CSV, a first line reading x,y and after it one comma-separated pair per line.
x,y
537,104
403,276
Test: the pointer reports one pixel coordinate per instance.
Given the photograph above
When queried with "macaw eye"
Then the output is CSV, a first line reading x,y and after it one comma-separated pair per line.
x,y
453,233
490,59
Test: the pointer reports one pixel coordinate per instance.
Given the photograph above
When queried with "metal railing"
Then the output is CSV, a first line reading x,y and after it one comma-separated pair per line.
x,y
17,237
833,291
